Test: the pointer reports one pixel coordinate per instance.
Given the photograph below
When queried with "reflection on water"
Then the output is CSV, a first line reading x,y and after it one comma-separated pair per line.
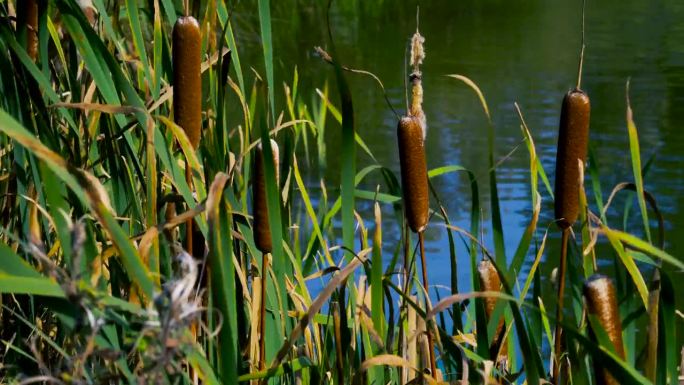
x,y
523,52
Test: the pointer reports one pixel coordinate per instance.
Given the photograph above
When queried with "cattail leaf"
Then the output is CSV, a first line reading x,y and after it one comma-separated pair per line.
x,y
89,190
348,161
332,212
13,265
636,164
107,23
170,11
274,204
38,76
628,262
190,156
376,274
667,361
139,44
310,211
157,48
202,367
619,369
296,365
497,227
223,277
42,286
230,40
479,315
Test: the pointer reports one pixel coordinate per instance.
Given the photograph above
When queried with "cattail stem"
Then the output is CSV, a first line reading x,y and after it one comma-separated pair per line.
x,y
338,343
428,323
581,58
559,308
188,224
262,315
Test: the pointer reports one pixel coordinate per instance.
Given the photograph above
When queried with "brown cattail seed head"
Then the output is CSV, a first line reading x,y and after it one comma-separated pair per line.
x,y
187,79
27,15
489,281
601,299
262,231
414,179
573,137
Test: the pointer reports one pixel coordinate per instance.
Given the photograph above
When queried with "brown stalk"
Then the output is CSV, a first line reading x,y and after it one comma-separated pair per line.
x,y
428,322
559,307
338,343
262,313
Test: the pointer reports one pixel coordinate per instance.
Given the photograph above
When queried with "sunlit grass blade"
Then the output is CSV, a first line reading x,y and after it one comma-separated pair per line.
x,y
223,278
636,164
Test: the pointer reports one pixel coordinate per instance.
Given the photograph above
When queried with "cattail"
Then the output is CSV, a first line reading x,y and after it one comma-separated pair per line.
x,y
601,299
414,179
187,80
573,137
489,281
262,231
27,16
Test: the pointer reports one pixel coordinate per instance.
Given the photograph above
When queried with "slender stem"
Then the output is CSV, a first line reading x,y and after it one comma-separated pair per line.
x,y
581,59
559,307
188,224
188,249
402,309
338,343
262,315
428,326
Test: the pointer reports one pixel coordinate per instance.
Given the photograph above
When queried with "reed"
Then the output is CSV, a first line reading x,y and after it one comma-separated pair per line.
x,y
601,301
571,154
411,132
490,281
187,91
262,230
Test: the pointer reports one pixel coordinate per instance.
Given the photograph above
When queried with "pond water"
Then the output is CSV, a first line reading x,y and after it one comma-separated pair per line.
x,y
524,52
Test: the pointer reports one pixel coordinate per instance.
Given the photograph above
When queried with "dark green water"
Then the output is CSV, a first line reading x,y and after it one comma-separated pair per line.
x,y
524,52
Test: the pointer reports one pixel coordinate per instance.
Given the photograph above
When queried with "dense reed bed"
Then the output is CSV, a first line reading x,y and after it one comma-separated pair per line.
x,y
148,235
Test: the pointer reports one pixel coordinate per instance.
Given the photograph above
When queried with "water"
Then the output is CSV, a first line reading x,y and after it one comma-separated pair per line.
x,y
516,52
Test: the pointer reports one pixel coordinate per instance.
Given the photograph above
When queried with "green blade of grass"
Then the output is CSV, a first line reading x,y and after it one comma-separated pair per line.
x,y
223,278
497,227
636,165
139,43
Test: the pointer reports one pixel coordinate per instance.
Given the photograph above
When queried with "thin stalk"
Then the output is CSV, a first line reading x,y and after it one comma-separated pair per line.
x,y
581,59
402,308
188,247
188,224
431,346
559,307
338,343
262,315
